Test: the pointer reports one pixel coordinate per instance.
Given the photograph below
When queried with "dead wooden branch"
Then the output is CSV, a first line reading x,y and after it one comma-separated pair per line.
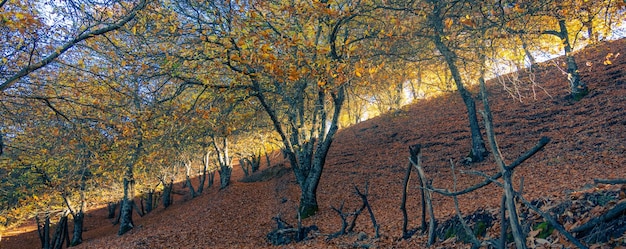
x,y
552,221
405,188
503,228
285,233
610,181
475,242
345,226
546,216
366,204
416,161
612,213
542,142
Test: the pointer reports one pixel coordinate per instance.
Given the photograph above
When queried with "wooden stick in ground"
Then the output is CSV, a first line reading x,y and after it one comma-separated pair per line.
x,y
475,242
503,223
416,154
405,186
507,173
344,222
369,208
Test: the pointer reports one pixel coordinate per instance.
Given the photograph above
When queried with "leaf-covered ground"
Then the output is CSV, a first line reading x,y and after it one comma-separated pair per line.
x,y
588,141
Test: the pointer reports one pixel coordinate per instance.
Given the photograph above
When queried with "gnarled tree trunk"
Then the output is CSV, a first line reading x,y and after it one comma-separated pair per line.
x,y
220,144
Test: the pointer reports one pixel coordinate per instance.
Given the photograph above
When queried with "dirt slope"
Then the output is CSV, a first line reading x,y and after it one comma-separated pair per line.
x,y
588,141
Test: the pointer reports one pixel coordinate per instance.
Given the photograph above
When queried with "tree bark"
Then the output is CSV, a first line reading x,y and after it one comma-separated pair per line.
x,y
167,193
60,233
221,148
149,201
192,190
577,86
77,236
416,161
405,189
43,230
126,209
507,172
478,150
307,158
111,207
211,179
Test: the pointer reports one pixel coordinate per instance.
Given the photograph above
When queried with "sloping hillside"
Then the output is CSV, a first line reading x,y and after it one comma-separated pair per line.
x,y
588,141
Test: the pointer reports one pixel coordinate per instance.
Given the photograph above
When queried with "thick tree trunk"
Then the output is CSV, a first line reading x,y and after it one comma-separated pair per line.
x,y
149,201
192,190
128,202
111,207
44,231
126,209
188,167
167,194
1,143
224,159
225,173
77,236
79,216
60,233
255,162
308,199
307,158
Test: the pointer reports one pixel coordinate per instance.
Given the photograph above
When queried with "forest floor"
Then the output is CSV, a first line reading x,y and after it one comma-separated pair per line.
x,y
588,141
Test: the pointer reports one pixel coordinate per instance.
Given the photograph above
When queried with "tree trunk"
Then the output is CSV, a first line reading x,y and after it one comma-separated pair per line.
x,y
188,167
60,233
1,143
307,158
202,179
111,207
205,170
192,191
478,150
267,158
255,162
577,86
225,173
79,216
44,231
244,166
167,194
77,236
149,201
224,160
126,209
211,179
308,198
531,58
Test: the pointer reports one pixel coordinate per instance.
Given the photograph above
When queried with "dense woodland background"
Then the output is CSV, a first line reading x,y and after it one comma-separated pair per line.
x,y
209,124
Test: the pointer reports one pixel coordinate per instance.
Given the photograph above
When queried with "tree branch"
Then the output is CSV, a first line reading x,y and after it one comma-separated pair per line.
x,y
84,35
